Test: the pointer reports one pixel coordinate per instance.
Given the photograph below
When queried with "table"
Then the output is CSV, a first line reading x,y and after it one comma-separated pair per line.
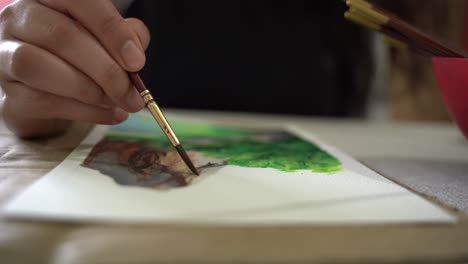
x,y
431,159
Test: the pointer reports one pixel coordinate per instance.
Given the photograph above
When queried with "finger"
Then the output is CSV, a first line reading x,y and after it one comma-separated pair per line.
x,y
62,36
35,104
44,71
141,30
102,19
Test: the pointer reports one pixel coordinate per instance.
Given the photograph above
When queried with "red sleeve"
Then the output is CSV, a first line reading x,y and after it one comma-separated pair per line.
x,y
3,3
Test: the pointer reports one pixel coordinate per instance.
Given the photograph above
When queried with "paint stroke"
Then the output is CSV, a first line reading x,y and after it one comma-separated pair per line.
x,y
136,153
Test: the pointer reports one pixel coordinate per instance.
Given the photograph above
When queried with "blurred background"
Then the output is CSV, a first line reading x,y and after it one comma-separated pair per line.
x,y
409,87
293,57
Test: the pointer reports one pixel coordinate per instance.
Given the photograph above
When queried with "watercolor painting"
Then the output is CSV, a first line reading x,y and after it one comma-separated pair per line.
x,y
129,173
136,152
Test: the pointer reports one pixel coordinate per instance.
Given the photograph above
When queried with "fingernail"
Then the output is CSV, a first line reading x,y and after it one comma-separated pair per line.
x,y
134,100
133,57
119,115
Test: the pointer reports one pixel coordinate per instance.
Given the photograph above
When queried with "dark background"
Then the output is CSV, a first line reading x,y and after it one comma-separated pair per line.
x,y
292,57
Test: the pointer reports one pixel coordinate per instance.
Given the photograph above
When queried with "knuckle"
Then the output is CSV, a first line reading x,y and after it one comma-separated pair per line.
x,y
7,13
20,61
57,35
7,18
27,15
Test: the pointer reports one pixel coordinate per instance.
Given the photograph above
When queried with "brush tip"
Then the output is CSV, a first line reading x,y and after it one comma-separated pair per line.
x,y
186,159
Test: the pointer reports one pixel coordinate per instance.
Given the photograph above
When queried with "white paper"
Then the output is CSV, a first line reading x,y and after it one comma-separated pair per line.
x,y
226,195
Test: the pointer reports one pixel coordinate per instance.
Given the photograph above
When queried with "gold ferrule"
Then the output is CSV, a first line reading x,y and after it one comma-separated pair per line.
x,y
358,2
395,42
147,97
144,92
361,21
369,13
159,117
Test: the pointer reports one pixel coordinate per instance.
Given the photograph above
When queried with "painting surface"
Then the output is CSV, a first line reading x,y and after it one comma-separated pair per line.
x,y
138,153
129,173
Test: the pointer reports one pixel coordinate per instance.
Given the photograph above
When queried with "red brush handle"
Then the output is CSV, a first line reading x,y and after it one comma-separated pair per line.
x,y
137,81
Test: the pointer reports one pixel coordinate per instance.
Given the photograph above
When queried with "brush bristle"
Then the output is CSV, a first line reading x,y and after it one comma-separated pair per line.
x,y
186,159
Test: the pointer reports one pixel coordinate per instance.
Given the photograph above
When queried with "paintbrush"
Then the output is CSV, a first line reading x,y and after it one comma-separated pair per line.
x,y
392,37
161,119
376,18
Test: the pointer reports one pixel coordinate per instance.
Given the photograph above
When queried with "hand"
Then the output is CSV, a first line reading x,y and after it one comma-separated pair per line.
x,y
66,60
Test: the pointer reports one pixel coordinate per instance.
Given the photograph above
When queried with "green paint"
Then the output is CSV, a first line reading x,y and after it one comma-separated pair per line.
x,y
237,146
287,155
